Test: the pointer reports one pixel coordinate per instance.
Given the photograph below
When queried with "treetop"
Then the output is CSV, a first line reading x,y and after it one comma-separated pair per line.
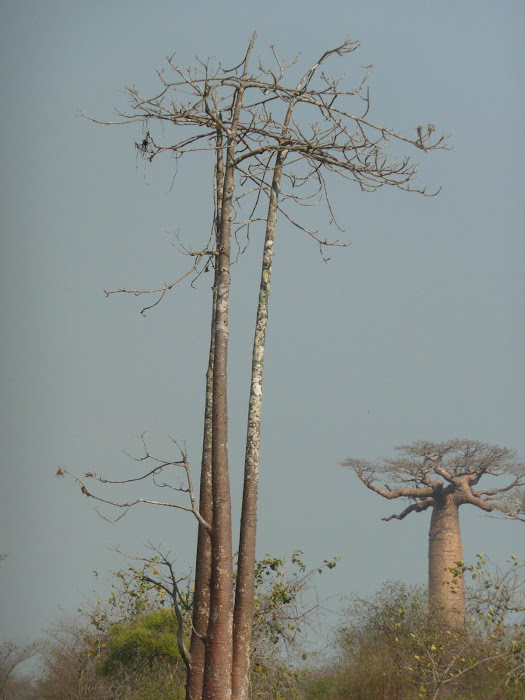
x,y
427,471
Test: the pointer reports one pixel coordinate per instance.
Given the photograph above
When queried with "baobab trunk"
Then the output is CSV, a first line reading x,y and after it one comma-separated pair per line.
x,y
445,550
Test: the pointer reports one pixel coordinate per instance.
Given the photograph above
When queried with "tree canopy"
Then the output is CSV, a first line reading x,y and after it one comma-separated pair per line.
x,y
425,471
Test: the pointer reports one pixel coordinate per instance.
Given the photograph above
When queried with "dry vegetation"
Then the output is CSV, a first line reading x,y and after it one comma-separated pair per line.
x,y
389,646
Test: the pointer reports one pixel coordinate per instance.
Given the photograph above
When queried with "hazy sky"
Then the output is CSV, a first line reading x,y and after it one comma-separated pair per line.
x,y
416,331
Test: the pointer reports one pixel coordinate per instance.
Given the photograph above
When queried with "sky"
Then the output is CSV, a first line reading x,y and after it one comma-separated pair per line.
x,y
415,331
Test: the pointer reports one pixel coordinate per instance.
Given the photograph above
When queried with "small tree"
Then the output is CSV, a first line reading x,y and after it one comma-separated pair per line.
x,y
443,477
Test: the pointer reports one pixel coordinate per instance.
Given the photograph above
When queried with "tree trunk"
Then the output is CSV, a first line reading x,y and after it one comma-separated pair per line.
x,y
219,643
201,599
245,588
446,591
217,681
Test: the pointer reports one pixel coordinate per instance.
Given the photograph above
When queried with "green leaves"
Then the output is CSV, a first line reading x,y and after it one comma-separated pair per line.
x,y
141,642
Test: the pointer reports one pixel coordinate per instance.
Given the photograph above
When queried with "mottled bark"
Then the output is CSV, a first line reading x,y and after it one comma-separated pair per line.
x,y
245,588
445,550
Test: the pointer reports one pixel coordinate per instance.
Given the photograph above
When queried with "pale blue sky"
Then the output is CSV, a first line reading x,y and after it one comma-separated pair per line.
x,y
415,331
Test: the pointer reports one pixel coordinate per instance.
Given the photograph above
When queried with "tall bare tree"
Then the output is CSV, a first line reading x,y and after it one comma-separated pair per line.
x,y
217,677
444,476
339,142
268,156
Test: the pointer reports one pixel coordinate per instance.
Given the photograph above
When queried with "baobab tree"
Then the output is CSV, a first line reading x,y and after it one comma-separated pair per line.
x,y
444,476
273,144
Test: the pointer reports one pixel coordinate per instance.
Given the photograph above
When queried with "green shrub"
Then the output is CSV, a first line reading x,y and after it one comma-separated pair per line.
x,y
138,644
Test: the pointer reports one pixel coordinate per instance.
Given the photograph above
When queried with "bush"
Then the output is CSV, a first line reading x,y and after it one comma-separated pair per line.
x,y
392,647
138,644
136,659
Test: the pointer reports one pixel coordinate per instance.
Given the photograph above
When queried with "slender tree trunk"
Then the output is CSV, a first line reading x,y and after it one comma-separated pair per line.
x,y
245,588
217,681
445,551
219,644
201,599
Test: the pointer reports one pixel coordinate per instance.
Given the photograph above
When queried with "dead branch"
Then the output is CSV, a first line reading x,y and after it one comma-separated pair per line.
x,y
152,474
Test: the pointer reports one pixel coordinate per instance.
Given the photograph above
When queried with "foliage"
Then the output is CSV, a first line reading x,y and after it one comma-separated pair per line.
x,y
136,659
138,644
394,646
285,612
126,647
69,663
497,595
280,586
134,592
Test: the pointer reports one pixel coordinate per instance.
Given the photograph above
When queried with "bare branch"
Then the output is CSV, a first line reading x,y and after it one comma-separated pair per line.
x,y
342,141
460,464
152,474
365,471
165,288
414,507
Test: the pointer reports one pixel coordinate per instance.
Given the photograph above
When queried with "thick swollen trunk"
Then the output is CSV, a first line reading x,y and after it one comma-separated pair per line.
x,y
245,588
446,591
